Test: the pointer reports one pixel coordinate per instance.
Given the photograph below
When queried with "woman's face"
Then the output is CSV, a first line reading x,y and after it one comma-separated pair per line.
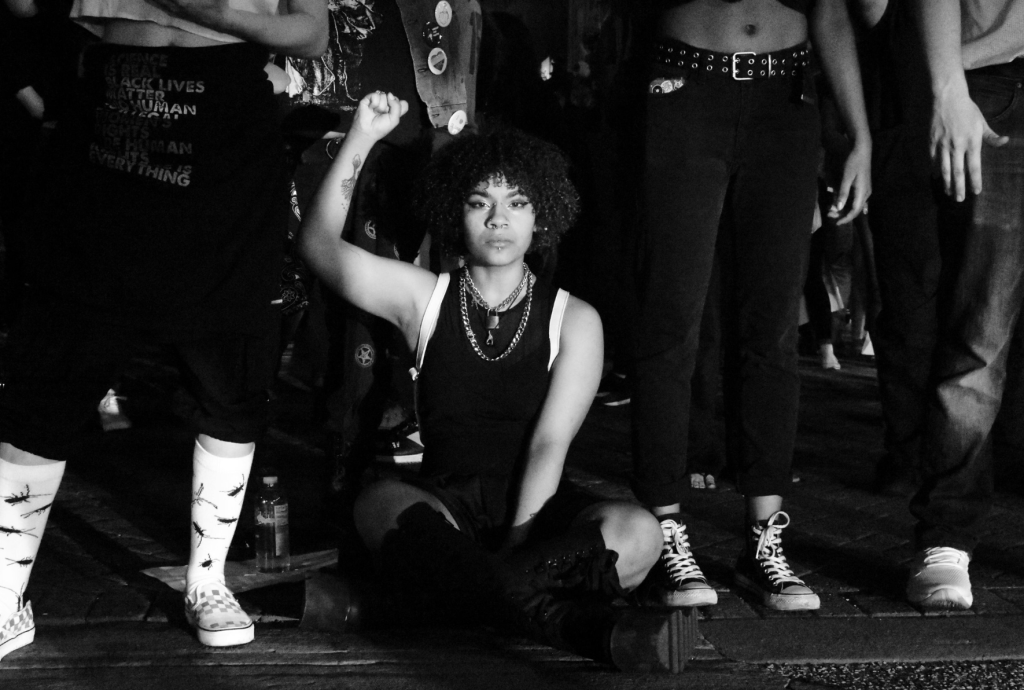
x,y
498,223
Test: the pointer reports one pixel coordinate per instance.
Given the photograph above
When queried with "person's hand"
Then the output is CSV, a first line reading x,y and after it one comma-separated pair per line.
x,y
208,13
958,132
855,187
377,114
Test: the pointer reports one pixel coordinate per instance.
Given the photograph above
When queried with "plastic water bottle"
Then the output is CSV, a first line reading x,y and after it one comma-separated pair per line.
x,y
273,550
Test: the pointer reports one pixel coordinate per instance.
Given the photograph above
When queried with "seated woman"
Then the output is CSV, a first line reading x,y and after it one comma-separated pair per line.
x,y
487,532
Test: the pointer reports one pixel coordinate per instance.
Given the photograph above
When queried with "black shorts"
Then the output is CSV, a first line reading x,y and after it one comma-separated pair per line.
x,y
59,362
467,499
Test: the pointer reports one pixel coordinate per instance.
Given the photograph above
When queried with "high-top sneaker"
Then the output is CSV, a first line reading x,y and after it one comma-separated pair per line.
x,y
763,571
676,579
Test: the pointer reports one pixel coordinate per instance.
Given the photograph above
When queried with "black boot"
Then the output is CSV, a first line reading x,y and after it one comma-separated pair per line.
x,y
562,588
630,639
576,560
540,591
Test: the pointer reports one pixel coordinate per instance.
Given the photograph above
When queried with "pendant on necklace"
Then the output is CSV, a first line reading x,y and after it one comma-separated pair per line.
x,y
492,325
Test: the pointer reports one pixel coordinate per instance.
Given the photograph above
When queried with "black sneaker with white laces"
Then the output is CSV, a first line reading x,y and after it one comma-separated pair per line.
x,y
676,579
763,571
400,445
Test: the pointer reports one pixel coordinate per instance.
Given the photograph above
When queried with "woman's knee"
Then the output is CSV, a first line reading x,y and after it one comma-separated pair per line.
x,y
379,507
632,532
376,510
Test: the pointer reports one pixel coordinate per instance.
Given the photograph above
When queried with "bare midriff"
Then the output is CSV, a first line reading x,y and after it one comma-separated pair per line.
x,y
151,35
759,26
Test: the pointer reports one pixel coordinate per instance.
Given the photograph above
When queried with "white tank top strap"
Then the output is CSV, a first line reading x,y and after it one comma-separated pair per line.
x,y
555,325
429,321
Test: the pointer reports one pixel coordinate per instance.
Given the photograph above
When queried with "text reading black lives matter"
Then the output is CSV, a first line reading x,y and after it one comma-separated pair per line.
x,y
136,132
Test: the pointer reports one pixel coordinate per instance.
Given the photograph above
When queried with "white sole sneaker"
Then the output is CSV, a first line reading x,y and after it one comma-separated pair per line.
x,y
19,631
217,618
805,601
945,599
940,580
702,596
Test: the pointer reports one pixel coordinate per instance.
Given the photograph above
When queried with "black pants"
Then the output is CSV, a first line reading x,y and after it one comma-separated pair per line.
x,y
60,359
748,150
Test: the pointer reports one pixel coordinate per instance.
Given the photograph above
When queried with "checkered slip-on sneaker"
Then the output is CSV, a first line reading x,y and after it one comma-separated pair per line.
x,y
18,630
215,615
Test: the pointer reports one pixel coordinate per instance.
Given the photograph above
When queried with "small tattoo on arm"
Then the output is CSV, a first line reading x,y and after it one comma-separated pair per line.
x,y
348,186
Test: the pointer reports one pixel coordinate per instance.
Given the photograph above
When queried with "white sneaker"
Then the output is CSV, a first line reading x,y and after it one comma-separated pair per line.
x,y
216,616
111,416
939,579
18,630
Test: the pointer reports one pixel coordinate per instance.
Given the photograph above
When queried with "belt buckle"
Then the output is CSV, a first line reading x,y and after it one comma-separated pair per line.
x,y
735,73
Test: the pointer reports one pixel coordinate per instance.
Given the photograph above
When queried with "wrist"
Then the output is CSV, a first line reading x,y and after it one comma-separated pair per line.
x,y
359,139
861,142
949,87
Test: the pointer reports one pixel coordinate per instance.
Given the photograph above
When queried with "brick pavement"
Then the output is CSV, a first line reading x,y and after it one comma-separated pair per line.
x,y
123,508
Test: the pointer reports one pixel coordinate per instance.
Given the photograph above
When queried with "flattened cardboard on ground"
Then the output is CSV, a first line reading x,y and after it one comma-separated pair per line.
x,y
243,576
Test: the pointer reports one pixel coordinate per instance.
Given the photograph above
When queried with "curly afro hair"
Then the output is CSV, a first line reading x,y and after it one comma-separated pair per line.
x,y
538,169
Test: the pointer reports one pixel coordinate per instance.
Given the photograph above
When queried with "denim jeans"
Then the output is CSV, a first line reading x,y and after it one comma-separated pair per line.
x,y
975,333
749,150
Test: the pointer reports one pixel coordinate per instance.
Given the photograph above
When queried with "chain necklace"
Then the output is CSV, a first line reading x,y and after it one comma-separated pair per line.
x,y
492,312
465,282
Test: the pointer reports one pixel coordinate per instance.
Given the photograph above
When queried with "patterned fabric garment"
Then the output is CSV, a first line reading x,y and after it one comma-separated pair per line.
x,y
218,490
294,275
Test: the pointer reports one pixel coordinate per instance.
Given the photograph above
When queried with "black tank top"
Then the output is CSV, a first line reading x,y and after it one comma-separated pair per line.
x,y
477,416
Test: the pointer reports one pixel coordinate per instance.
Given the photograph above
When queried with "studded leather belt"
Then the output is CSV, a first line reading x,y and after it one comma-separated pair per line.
x,y
739,66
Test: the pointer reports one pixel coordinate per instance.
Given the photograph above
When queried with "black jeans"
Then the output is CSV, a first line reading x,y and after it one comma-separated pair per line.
x,y
748,149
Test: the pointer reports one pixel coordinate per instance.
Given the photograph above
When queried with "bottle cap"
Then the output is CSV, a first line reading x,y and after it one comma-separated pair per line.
x,y
270,481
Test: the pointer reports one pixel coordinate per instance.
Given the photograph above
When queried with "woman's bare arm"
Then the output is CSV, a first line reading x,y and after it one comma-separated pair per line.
x,y
575,376
299,30
393,290
832,37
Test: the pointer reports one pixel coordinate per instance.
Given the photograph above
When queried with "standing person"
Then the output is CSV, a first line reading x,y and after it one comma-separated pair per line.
x,y
162,222
975,58
39,51
733,130
502,391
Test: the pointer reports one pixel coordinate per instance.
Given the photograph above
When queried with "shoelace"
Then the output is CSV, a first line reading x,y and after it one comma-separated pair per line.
x,y
769,551
943,555
677,554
